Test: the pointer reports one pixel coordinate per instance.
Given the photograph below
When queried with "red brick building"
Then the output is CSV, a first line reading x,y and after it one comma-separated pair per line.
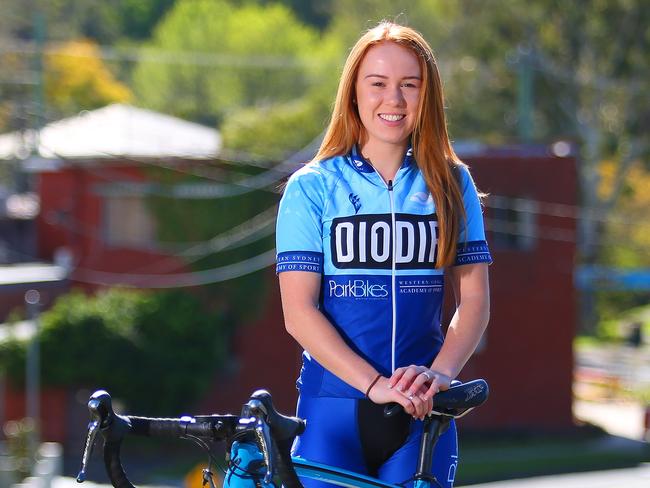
x,y
528,356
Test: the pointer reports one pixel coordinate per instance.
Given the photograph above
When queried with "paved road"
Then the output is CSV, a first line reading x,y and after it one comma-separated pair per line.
x,y
618,478
65,482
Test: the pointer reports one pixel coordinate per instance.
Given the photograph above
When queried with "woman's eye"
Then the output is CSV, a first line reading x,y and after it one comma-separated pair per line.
x,y
378,83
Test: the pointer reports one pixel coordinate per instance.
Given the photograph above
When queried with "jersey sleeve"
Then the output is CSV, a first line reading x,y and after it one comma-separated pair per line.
x,y
472,245
299,229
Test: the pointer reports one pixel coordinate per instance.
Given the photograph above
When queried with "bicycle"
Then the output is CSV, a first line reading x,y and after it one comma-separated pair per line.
x,y
260,438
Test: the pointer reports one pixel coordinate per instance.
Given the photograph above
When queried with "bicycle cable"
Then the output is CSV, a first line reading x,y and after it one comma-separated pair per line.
x,y
212,460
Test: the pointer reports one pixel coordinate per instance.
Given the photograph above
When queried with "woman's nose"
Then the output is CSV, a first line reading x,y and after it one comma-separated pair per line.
x,y
396,97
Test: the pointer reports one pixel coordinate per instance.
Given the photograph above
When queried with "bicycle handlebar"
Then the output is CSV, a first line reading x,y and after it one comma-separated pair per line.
x,y
257,413
273,431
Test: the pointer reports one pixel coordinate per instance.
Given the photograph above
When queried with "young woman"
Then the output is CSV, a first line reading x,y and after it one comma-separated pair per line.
x,y
365,233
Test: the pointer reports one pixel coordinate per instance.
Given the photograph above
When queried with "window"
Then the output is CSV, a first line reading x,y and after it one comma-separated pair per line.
x,y
128,222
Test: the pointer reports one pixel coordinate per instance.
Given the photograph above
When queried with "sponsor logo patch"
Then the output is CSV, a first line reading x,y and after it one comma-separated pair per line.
x,y
357,289
366,241
356,203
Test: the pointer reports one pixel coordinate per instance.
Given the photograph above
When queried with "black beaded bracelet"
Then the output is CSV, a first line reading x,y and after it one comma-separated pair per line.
x,y
371,385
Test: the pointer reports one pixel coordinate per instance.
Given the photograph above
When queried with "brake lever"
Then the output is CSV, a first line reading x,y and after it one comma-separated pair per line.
x,y
100,408
263,433
257,411
93,428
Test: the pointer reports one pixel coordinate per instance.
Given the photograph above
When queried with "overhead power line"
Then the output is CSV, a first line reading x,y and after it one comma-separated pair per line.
x,y
165,56
177,280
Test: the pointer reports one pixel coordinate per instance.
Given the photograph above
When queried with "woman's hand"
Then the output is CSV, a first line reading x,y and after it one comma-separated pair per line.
x,y
419,382
382,392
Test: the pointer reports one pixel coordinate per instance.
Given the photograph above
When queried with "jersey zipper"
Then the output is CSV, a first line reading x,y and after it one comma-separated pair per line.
x,y
393,253
389,187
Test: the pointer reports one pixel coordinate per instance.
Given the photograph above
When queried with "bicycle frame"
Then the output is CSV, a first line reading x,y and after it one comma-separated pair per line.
x,y
250,456
250,459
248,472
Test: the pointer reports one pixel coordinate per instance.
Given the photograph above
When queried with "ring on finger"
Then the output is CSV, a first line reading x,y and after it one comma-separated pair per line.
x,y
428,374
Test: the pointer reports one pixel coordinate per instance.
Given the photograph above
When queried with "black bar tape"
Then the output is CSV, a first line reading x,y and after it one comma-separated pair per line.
x,y
114,465
284,465
140,426
202,430
174,428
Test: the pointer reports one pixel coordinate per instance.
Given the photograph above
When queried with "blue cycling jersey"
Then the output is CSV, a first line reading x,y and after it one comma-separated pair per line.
x,y
374,242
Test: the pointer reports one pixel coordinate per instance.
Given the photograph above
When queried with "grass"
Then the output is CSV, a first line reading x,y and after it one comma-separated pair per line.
x,y
535,455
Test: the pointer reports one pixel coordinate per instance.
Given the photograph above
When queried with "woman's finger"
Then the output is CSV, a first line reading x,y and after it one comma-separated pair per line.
x,y
396,377
408,376
420,381
418,406
440,383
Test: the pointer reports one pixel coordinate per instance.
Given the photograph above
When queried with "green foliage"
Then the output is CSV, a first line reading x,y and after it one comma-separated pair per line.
x,y
238,56
276,130
18,434
201,220
313,12
105,22
139,17
156,351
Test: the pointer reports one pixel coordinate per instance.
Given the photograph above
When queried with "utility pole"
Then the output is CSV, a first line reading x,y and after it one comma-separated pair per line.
x,y
33,367
39,88
36,109
525,93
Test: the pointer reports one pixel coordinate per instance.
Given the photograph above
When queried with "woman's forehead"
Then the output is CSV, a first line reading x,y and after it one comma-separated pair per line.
x,y
390,59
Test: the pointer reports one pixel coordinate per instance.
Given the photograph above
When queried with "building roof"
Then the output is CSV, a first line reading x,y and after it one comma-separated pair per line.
x,y
115,131
31,274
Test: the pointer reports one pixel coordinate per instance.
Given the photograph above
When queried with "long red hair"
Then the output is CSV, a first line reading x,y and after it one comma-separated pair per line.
x,y
431,146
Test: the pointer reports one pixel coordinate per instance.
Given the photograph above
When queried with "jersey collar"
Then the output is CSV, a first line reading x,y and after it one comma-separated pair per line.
x,y
363,166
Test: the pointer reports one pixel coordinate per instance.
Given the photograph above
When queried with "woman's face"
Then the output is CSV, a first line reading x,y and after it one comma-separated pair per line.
x,y
388,88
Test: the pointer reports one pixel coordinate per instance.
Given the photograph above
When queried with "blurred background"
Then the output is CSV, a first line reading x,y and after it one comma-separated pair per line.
x,y
143,147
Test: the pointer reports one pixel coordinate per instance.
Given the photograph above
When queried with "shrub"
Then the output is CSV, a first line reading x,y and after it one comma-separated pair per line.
x,y
155,351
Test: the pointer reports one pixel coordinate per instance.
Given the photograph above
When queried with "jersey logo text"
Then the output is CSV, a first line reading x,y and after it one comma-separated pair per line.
x,y
366,241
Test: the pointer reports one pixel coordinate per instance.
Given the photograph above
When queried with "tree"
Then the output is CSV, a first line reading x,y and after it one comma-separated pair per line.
x,y
625,241
219,57
276,131
76,78
104,22
627,227
314,12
